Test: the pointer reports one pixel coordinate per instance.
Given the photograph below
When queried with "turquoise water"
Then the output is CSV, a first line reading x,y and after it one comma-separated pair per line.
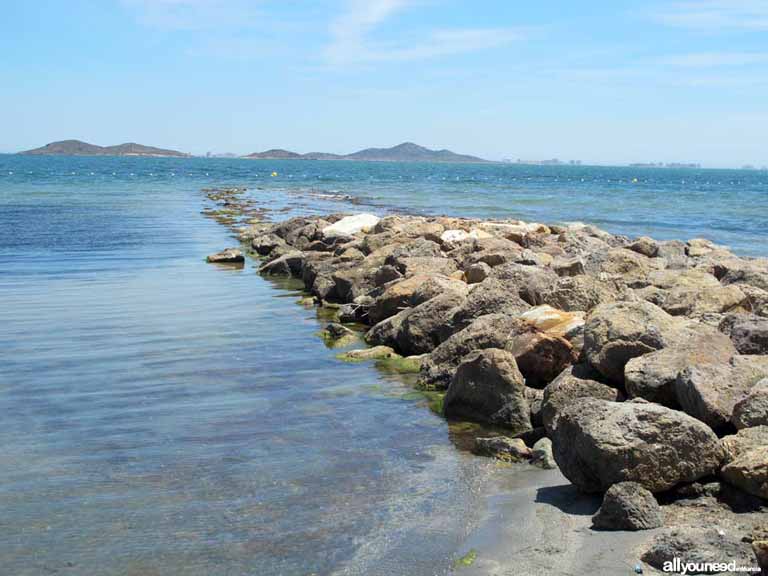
x,y
165,416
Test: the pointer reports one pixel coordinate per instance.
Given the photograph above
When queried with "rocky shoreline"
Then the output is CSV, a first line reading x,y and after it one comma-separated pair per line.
x,y
639,368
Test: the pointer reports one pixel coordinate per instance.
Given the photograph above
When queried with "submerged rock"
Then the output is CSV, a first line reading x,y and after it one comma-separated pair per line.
x,y
374,353
503,448
541,454
228,256
628,506
598,443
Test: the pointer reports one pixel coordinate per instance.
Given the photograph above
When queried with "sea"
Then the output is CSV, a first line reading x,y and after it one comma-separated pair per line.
x,y
163,416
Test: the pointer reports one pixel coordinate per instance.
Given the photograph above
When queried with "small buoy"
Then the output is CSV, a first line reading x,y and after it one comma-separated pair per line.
x,y
634,180
274,174
638,569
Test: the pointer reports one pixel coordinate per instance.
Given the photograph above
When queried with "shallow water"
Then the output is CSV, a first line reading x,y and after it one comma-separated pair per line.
x,y
165,416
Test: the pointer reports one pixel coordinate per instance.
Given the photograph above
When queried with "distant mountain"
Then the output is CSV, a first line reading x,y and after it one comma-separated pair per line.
x,y
405,152
78,148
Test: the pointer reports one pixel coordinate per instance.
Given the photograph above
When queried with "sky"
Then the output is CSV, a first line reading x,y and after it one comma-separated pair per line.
x,y
599,81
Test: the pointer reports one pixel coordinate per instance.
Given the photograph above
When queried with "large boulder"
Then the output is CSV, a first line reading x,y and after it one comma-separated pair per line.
x,y
577,381
734,445
503,448
617,332
628,506
290,264
385,332
748,332
752,409
427,324
673,548
749,472
490,331
396,297
709,392
578,293
598,443
652,376
489,297
488,387
541,356
530,282
351,225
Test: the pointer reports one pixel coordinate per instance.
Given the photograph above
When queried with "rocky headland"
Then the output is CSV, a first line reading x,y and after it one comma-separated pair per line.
x,y
638,368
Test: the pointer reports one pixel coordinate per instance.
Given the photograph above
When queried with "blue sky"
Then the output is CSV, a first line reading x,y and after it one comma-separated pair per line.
x,y
600,81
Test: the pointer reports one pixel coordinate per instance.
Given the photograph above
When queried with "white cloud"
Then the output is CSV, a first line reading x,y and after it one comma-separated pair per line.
x,y
351,43
716,15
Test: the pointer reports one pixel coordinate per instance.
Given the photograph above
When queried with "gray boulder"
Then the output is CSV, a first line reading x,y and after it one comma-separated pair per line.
x,y
577,381
752,409
598,443
490,331
698,546
748,332
749,471
734,445
427,325
289,264
628,506
710,392
652,376
491,296
228,256
615,333
488,387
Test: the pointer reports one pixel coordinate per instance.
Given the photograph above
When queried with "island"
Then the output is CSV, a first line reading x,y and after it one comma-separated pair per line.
x,y
79,148
405,152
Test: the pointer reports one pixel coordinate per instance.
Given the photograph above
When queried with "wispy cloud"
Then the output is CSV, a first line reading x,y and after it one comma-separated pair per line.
x,y
716,14
351,31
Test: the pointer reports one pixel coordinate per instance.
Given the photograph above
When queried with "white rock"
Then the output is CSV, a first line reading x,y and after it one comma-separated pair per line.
x,y
453,236
350,225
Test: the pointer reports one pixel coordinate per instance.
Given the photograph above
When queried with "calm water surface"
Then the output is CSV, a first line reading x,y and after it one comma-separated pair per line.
x,y
165,416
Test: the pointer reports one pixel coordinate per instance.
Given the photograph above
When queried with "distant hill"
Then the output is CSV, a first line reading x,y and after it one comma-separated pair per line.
x,y
405,152
78,148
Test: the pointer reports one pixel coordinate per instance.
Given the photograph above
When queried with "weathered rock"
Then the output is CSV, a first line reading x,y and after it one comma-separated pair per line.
x,y
351,225
760,549
477,272
709,392
290,264
598,443
630,268
385,332
427,325
266,243
490,331
748,332
698,293
568,266
645,246
437,285
374,353
652,376
540,356
489,297
530,282
628,506
752,409
488,387
617,332
574,382
503,448
395,298
684,545
553,321
745,440
577,293
749,471
541,454
419,265
228,256
535,396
